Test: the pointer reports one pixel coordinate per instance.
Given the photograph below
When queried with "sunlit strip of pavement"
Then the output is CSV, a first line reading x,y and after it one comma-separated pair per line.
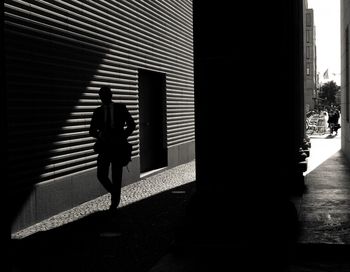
x,y
324,210
322,147
146,187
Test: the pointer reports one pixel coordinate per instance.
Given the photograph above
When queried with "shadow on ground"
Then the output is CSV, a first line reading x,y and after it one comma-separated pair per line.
x,y
321,258
134,239
155,235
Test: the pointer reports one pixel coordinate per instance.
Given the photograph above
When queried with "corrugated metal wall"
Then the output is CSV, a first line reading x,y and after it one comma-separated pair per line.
x,y
58,55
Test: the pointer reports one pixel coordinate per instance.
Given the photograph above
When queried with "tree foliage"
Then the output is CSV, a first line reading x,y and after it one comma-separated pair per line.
x,y
328,92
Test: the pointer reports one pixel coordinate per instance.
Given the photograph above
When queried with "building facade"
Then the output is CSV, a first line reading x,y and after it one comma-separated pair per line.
x,y
310,94
345,76
58,54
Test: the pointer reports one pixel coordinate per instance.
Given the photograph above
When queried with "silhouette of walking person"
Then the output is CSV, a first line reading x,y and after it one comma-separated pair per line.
x,y
107,126
333,120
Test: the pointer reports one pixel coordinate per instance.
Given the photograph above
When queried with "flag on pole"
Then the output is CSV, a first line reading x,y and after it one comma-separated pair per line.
x,y
325,74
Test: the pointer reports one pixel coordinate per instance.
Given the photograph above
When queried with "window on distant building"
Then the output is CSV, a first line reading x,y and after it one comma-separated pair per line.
x,y
308,19
308,36
308,52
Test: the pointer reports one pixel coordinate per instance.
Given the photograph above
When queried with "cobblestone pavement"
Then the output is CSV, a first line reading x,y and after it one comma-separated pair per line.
x,y
132,193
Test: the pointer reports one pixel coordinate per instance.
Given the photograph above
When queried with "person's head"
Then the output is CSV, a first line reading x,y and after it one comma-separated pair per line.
x,y
105,94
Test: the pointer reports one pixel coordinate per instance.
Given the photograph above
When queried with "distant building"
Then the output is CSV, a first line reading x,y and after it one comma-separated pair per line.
x,y
310,93
345,76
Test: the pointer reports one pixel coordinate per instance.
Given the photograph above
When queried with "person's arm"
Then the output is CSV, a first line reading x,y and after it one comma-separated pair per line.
x,y
94,131
130,123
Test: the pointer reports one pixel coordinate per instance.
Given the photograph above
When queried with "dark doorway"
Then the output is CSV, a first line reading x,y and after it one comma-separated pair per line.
x,y
152,101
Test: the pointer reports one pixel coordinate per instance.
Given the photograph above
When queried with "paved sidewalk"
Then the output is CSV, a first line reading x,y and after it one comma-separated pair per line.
x,y
324,209
90,238
137,191
323,146
325,206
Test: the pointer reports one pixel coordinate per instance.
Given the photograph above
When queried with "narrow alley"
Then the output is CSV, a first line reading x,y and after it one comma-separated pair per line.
x,y
324,209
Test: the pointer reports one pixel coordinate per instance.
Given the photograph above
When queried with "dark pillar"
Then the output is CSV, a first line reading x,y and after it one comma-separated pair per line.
x,y
248,87
248,91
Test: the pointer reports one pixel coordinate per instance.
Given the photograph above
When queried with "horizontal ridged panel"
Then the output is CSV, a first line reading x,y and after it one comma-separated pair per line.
x,y
58,55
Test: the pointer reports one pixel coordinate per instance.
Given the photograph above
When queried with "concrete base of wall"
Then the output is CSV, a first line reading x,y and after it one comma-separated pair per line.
x,y
180,154
50,198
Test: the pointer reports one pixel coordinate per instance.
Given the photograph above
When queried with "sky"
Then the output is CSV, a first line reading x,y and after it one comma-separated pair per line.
x,y
327,23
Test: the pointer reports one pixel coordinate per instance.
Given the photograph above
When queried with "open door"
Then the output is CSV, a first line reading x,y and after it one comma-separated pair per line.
x,y
152,105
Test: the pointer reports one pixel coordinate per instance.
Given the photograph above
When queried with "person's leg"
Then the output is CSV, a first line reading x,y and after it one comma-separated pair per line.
x,y
117,174
103,163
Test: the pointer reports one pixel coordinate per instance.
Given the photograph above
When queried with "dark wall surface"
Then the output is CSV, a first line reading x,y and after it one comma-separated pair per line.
x,y
57,54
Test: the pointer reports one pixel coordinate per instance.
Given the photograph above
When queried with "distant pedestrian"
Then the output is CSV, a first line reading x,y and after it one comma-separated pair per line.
x,y
107,126
333,120
325,116
322,122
